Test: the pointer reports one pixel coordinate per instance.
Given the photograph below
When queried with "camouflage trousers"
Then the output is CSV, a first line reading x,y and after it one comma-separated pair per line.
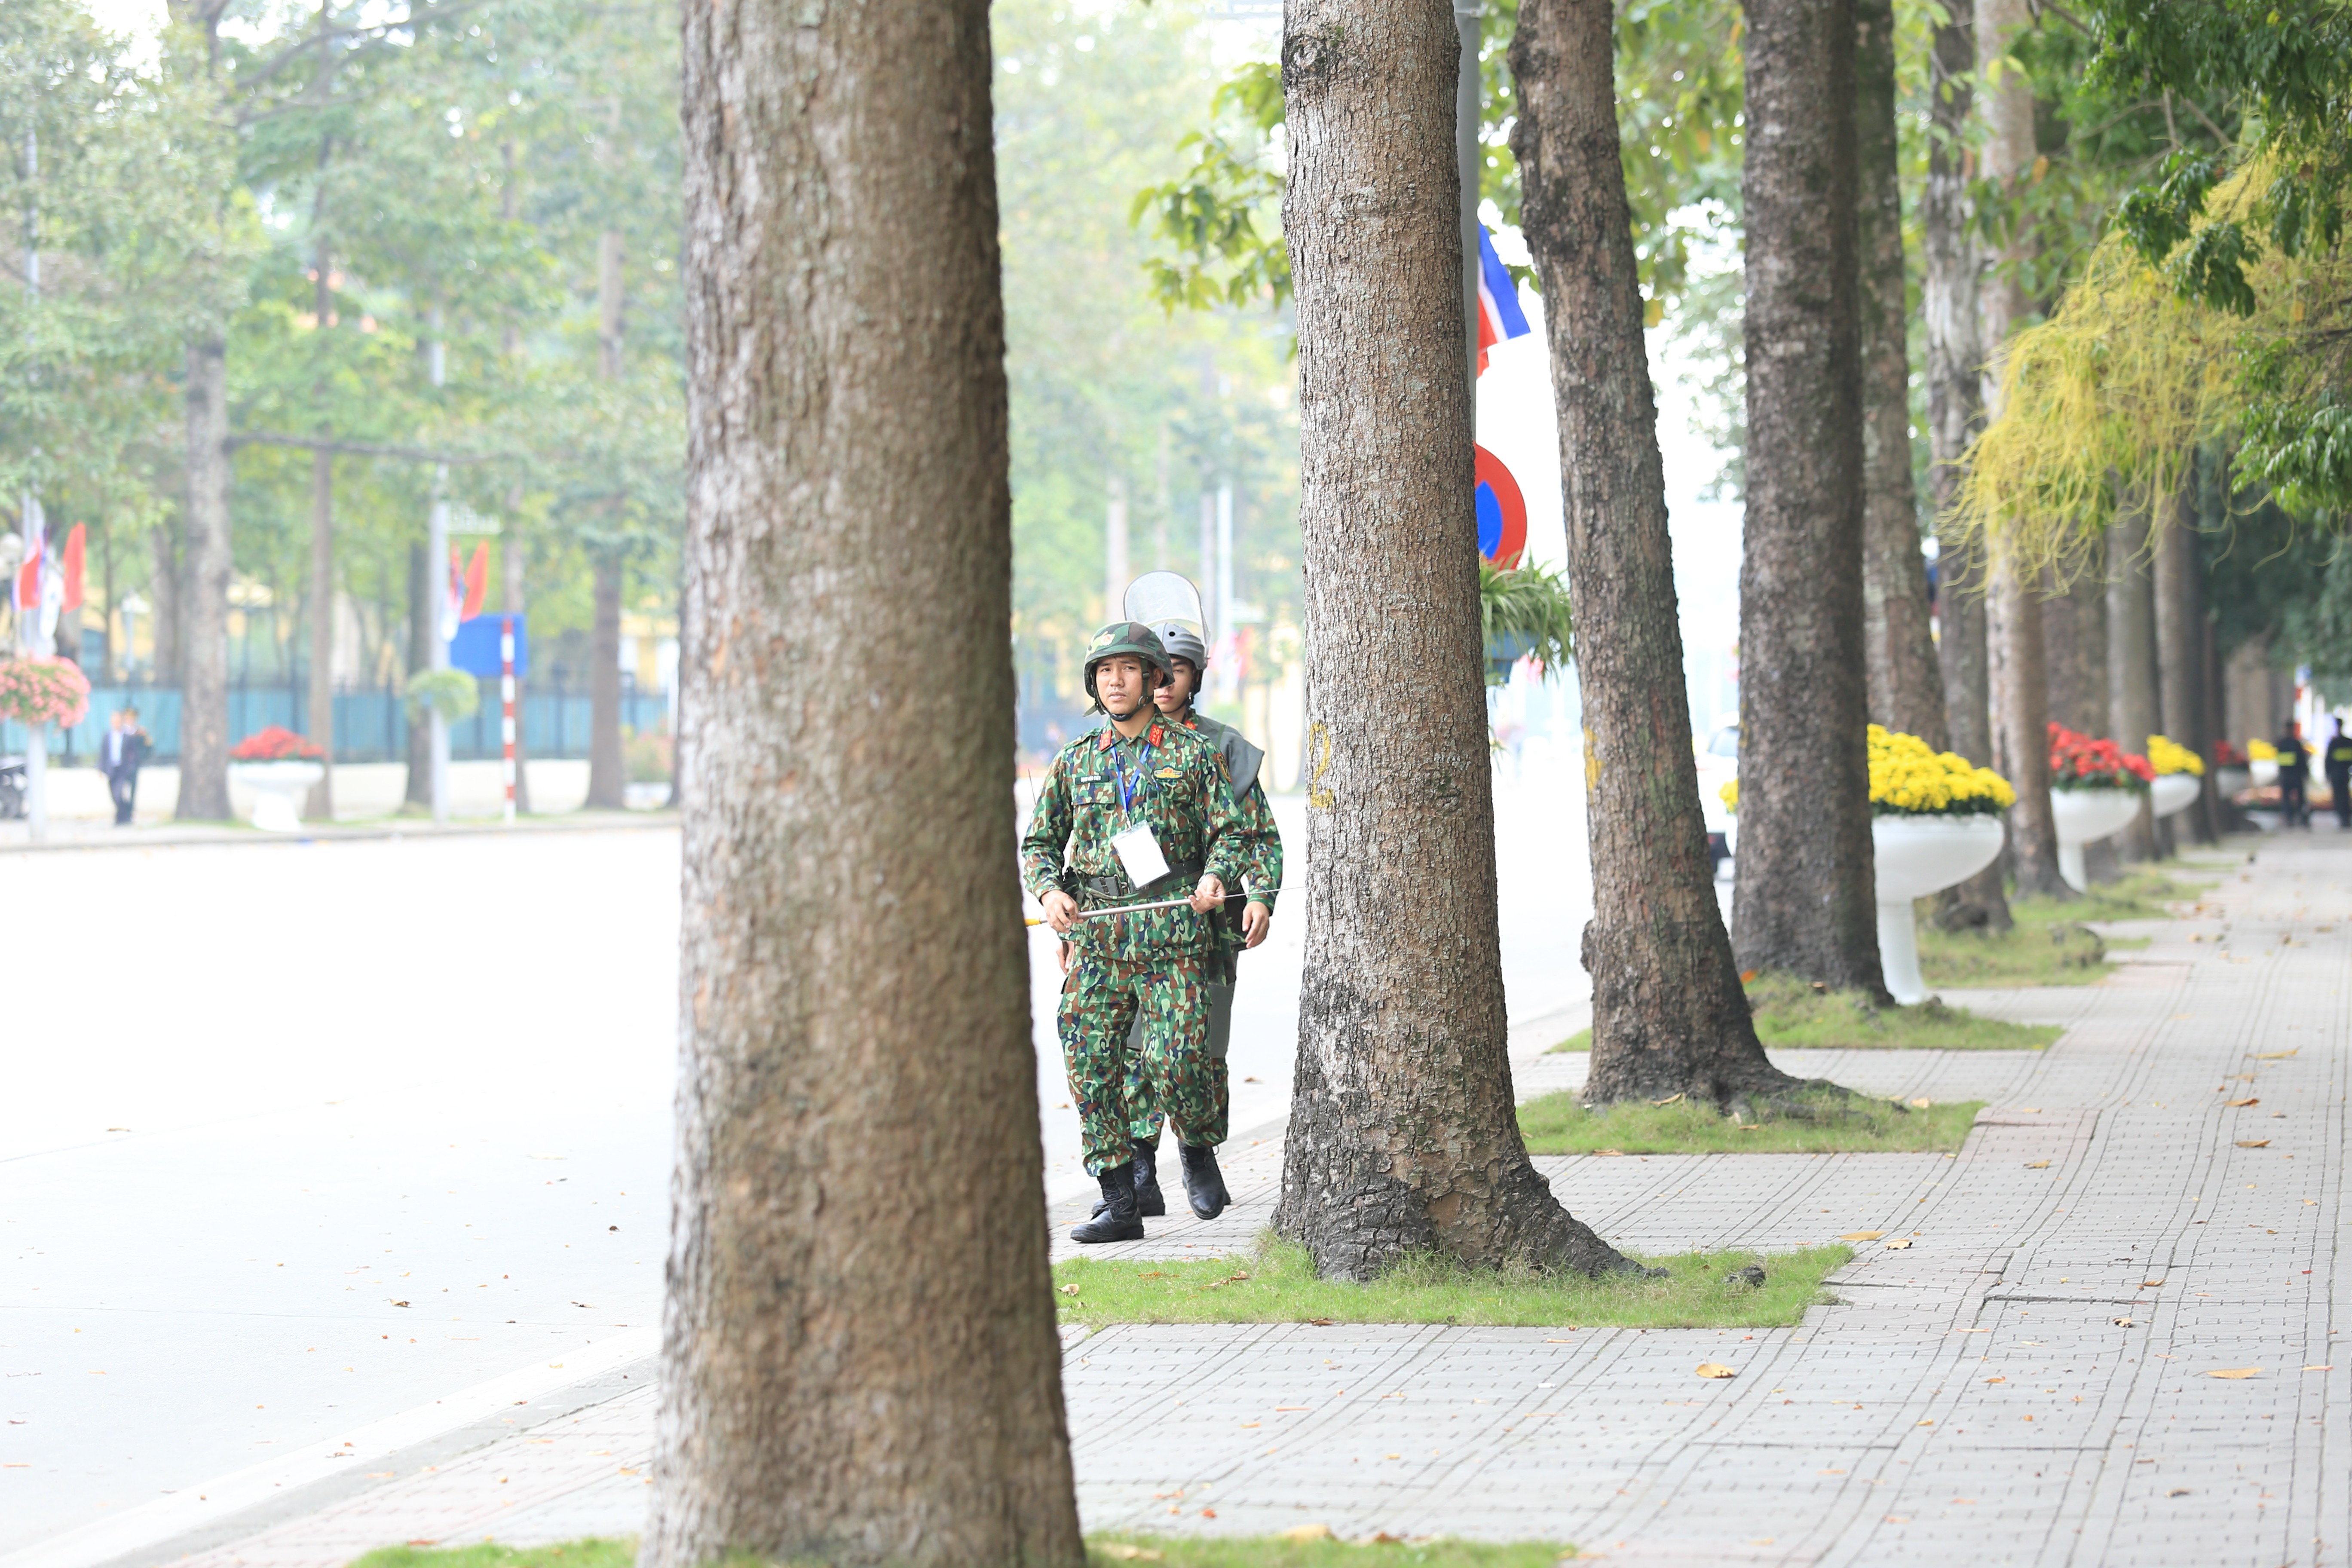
x,y
1145,1127
1103,1002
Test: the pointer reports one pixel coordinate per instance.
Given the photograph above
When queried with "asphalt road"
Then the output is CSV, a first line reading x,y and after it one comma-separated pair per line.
x,y
298,1137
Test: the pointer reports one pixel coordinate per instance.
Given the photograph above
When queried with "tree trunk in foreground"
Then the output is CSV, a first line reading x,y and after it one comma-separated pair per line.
x,y
1948,315
1668,1014
2131,653
2019,666
203,619
2180,634
608,778
1402,1132
321,806
1905,689
856,1368
1806,902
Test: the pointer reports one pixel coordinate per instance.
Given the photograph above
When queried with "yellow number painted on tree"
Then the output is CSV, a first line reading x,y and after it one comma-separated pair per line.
x,y
1319,744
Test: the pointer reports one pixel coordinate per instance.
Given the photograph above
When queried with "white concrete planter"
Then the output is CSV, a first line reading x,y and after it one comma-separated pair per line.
x,y
2084,816
277,791
2265,772
2231,777
1917,856
2174,792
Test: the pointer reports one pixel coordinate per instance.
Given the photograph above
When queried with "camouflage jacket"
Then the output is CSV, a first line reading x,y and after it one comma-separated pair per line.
x,y
1241,760
1174,781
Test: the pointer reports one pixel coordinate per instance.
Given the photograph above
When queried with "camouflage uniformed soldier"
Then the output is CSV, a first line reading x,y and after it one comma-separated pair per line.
x,y
1189,659
1138,811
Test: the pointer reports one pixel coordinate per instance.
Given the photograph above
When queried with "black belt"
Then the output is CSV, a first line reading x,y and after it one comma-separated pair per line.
x,y
1120,887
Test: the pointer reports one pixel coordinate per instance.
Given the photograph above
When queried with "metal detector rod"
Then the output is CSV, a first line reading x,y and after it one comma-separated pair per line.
x,y
1133,908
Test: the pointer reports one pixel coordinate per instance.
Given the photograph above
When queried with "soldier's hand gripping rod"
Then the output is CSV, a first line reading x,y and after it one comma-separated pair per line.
x,y
1132,908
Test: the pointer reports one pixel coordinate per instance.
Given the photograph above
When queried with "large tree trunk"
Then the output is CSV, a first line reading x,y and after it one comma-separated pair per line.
x,y
2180,633
167,602
1905,689
204,603
2074,631
2014,623
1805,899
2131,653
1402,1132
856,1368
608,779
421,586
1949,313
321,806
1668,1014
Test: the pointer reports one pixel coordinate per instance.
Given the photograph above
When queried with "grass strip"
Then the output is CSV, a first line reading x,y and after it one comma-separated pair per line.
x,y
1278,1284
1559,1124
1302,1548
2052,944
1791,1015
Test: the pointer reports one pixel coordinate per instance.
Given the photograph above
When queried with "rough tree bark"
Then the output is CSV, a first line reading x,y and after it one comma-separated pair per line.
x,y
167,601
204,602
2014,618
1905,689
1668,1014
855,1371
1949,300
1805,899
321,806
1403,1135
2132,714
2180,633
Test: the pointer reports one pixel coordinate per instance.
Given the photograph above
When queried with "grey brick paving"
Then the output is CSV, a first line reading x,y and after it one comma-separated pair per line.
x,y
2027,1383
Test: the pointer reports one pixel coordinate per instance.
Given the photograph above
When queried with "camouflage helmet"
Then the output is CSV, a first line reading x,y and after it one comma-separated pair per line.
x,y
1182,642
1132,639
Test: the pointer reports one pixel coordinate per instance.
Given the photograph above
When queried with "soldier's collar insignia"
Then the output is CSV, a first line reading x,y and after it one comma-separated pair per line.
x,y
1109,739
1154,738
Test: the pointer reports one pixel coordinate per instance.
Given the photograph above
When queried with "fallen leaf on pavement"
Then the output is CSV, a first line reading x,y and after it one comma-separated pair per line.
x,y
2250,1099
1320,1323
2271,1056
1898,1244
2037,1164
2235,1371
2178,1492
1716,1369
1862,1235
1309,1533
2321,1366
2027,1110
400,1303
2253,1142
1996,1379
2122,1322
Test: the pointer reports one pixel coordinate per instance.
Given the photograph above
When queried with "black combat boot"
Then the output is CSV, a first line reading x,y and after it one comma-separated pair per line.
x,y
1204,1184
1148,1201
1116,1220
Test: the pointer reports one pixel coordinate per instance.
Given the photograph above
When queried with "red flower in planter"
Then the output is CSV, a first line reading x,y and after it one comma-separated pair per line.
x,y
2078,762
276,745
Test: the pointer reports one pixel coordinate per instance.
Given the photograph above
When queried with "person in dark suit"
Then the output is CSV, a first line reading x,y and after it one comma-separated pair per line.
x,y
119,755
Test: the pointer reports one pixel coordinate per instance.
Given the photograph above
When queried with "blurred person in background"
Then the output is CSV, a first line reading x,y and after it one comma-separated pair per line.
x,y
2295,770
119,756
2335,761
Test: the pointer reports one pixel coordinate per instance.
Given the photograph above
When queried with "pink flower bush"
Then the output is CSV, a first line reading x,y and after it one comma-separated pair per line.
x,y
43,690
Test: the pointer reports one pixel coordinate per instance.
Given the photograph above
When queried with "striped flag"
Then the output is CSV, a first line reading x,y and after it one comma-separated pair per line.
x,y
1499,316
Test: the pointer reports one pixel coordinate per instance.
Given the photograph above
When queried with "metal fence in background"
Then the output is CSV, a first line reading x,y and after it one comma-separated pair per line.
x,y
371,723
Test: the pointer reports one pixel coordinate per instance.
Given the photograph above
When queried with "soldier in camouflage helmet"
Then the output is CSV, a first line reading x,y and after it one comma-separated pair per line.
x,y
1138,811
1190,660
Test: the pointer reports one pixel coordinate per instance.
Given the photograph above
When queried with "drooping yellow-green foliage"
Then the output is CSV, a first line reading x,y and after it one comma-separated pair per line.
x,y
2102,404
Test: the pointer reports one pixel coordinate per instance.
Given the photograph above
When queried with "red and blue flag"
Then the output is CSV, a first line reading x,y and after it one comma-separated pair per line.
x,y
1499,316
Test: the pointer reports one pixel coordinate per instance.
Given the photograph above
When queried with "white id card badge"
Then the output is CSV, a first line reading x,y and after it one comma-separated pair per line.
x,y
1138,855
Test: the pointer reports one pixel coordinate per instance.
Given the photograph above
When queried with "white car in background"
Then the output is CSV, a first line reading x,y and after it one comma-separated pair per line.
x,y
1718,764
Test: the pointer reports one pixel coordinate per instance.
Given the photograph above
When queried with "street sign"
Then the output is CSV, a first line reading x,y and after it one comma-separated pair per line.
x,y
475,649
1501,511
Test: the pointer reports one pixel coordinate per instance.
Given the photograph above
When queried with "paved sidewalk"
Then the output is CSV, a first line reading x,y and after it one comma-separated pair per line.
x,y
2028,1383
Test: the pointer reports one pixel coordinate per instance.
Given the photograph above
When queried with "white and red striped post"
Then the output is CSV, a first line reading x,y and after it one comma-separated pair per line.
x,y
507,707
